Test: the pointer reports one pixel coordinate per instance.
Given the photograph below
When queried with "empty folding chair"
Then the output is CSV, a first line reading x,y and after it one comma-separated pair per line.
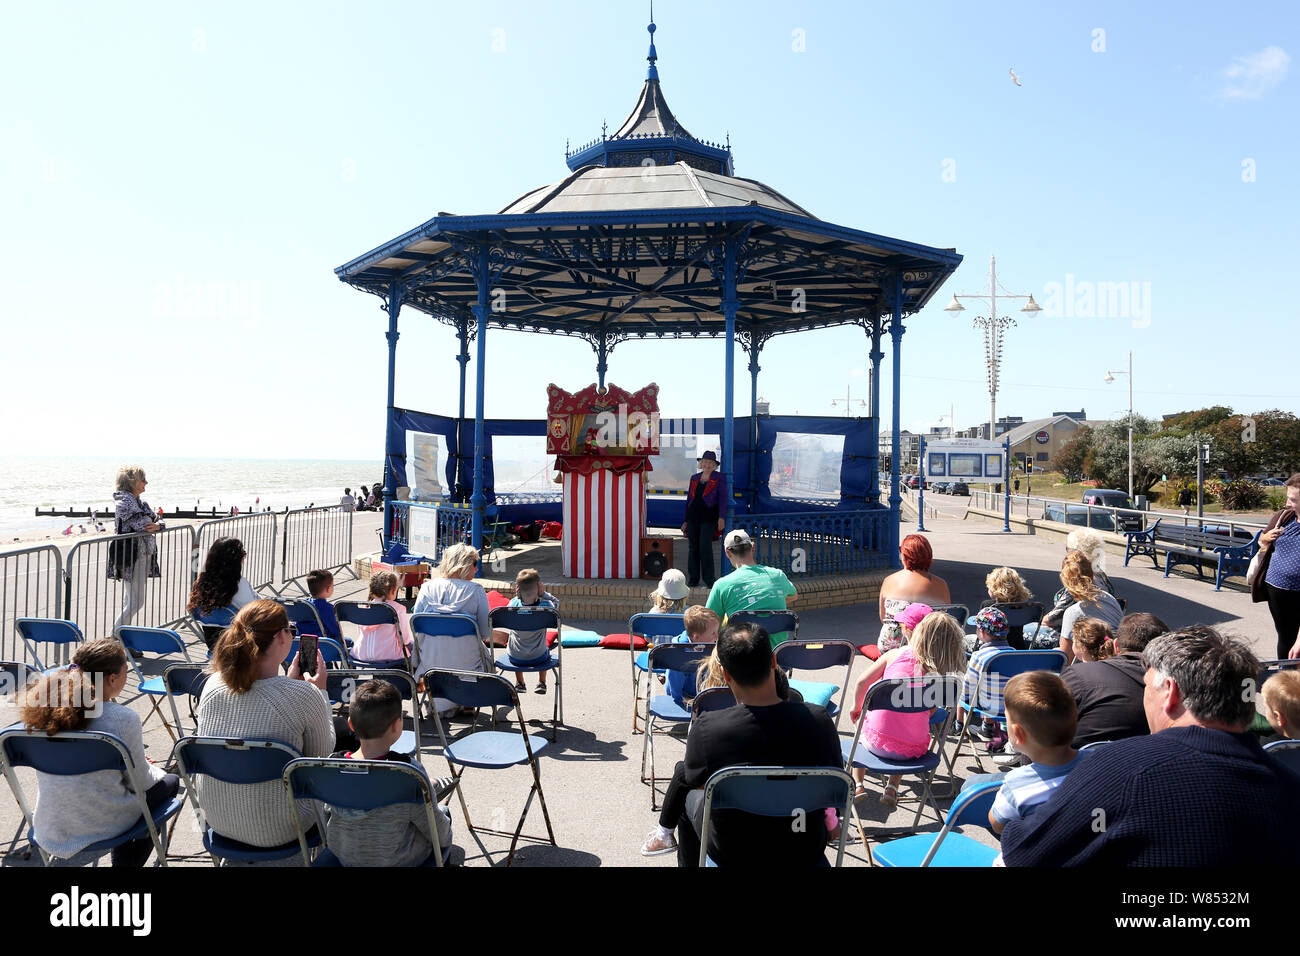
x,y
534,619
184,680
998,669
654,629
958,611
776,792
815,656
971,808
905,695
488,749
152,640
363,614
43,630
358,785
239,762
661,708
712,698
448,642
341,683
71,753
774,622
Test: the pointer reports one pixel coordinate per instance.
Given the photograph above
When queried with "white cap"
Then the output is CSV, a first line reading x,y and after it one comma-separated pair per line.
x,y
737,539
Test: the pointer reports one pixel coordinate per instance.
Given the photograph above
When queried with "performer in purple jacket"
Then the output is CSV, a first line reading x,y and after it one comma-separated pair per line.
x,y
706,513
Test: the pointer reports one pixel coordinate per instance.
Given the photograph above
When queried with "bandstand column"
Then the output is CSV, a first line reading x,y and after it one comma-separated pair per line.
x,y
754,369
392,451
730,305
462,333
895,499
602,360
873,489
478,499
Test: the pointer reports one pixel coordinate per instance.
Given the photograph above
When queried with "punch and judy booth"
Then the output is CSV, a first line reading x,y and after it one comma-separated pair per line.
x,y
603,439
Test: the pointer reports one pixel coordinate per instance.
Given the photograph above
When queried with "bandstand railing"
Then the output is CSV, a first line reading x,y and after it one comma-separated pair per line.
x,y
453,522
822,542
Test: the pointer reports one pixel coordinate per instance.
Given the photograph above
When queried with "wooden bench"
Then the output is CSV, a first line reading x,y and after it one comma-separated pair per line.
x,y
1187,545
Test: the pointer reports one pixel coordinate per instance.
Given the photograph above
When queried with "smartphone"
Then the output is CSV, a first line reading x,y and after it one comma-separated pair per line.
x,y
307,646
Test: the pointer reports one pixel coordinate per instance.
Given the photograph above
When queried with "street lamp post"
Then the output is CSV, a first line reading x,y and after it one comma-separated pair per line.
x,y
848,402
993,326
1110,377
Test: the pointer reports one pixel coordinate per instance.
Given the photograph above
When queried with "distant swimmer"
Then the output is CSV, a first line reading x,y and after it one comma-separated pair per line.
x,y
1014,79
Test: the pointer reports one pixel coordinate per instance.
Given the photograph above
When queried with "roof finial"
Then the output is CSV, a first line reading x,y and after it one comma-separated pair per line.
x,y
653,72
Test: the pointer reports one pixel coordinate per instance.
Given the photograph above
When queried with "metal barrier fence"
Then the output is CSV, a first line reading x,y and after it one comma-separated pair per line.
x,y
827,542
454,525
31,585
95,601
314,539
1103,518
255,531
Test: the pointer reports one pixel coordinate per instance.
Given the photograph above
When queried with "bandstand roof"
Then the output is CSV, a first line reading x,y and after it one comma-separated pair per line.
x,y
631,244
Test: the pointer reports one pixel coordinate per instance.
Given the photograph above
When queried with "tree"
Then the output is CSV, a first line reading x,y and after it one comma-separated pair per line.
x,y
1195,421
1074,454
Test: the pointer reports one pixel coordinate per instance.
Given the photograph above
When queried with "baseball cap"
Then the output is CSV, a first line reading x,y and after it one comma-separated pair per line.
x,y
737,539
992,621
913,614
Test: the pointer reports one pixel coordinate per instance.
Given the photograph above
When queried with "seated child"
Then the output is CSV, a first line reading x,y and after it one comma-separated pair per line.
x,y
396,835
320,585
529,647
670,596
991,630
934,647
380,644
1281,694
1006,586
701,628
1041,718
1093,640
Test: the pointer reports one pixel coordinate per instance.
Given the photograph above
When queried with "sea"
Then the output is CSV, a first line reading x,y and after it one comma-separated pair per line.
x,y
251,484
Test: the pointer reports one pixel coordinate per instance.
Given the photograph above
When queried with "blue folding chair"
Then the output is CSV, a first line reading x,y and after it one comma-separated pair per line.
x,y
947,848
998,669
303,615
776,792
239,762
654,629
774,622
14,676
661,708
72,753
1095,744
488,749
152,640
363,614
712,698
905,695
959,611
358,785
1287,753
448,642
184,680
816,656
341,683
211,625
533,619
44,630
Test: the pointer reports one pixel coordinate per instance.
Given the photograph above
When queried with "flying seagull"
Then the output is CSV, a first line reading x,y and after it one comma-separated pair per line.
x,y
1014,79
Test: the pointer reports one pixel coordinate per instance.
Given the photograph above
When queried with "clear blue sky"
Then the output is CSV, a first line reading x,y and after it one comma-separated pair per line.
x,y
179,181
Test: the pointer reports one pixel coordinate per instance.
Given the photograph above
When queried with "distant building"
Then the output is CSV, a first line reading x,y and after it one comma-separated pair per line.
x,y
1079,416
909,447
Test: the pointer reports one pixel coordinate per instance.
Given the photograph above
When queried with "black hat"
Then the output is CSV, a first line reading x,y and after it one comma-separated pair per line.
x,y
708,456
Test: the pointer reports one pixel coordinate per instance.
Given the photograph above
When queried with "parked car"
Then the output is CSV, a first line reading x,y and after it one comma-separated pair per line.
x,y
958,488
1080,515
1112,498
939,487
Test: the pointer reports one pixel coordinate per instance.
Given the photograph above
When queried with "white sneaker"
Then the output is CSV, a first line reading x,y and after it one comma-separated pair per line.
x,y
1008,760
657,844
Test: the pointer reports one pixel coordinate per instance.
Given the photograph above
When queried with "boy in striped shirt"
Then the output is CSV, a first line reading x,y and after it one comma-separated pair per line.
x,y
1041,718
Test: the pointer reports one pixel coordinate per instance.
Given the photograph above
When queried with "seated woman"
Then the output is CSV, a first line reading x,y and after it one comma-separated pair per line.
x,y
73,812
912,585
221,584
1090,545
453,590
1090,600
247,696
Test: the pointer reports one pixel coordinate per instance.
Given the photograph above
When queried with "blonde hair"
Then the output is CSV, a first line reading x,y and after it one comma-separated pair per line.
x,y
456,560
127,476
1281,692
696,619
62,700
936,642
1076,576
382,584
709,673
237,656
1006,586
662,605
528,577
1092,544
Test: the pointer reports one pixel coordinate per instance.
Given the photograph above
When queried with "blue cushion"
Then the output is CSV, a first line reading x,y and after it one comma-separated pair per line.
x,y
956,850
815,692
579,639
492,748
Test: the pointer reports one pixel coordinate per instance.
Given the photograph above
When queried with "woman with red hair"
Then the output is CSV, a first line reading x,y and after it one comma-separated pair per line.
x,y
912,585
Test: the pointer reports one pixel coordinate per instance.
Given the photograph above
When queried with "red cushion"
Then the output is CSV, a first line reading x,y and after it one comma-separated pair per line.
x,y
552,635
621,641
870,651
496,599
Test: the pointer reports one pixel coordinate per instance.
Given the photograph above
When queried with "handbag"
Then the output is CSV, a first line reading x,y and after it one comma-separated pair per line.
x,y
1256,565
122,553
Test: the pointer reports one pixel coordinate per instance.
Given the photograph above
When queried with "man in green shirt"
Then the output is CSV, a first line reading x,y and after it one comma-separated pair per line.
x,y
750,586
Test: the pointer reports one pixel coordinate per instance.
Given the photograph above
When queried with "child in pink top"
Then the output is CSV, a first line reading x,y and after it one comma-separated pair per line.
x,y
379,644
934,648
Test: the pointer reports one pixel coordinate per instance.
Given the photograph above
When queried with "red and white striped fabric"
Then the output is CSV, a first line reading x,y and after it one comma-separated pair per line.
x,y
604,520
